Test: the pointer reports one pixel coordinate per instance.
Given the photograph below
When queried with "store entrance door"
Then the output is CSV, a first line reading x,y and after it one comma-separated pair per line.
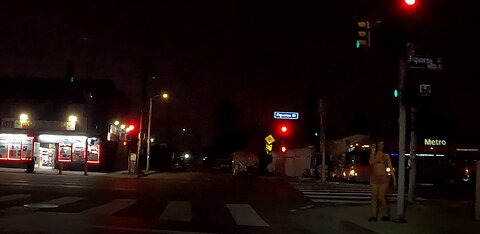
x,y
48,151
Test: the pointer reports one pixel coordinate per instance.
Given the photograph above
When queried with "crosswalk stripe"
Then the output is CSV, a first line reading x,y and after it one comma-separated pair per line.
x,y
341,197
111,207
244,214
177,211
64,200
353,201
347,197
341,201
334,191
340,194
13,197
345,193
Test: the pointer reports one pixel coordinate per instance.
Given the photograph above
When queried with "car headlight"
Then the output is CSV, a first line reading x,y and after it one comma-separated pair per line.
x,y
352,173
388,169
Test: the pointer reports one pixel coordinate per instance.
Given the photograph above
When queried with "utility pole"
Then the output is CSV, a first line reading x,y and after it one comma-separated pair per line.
x,y
477,193
413,156
142,105
139,144
402,122
85,158
148,132
321,109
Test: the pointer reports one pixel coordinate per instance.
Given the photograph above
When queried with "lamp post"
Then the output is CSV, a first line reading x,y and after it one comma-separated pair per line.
x,y
23,117
164,96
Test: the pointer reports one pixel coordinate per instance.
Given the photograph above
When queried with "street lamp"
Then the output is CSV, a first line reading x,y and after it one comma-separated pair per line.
x,y
164,96
23,117
72,118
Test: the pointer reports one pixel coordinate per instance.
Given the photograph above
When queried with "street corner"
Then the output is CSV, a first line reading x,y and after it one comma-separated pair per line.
x,y
147,173
324,220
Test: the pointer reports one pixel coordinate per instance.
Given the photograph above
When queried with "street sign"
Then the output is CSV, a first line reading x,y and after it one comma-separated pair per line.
x,y
425,90
285,115
425,62
269,139
268,147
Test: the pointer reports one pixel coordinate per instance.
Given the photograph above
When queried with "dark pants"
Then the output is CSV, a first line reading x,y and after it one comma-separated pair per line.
x,y
30,165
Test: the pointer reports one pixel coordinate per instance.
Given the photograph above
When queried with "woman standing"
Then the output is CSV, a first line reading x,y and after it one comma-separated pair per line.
x,y
379,181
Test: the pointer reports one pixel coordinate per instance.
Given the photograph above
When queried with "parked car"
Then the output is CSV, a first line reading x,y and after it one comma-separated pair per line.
x,y
243,162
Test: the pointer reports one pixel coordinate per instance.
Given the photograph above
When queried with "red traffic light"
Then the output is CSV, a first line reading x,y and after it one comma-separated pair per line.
x,y
410,2
284,149
130,128
284,129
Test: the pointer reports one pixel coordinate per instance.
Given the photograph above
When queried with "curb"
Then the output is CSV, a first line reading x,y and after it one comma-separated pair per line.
x,y
350,226
147,174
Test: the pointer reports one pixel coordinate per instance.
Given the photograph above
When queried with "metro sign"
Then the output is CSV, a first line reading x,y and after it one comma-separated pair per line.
x,y
285,115
435,142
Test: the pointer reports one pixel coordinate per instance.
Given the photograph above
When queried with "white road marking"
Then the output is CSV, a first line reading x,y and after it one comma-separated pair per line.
x,y
145,230
63,185
334,191
13,197
244,214
64,200
111,207
345,194
177,211
340,201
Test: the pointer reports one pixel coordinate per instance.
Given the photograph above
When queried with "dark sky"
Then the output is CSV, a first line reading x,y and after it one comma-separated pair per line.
x,y
260,55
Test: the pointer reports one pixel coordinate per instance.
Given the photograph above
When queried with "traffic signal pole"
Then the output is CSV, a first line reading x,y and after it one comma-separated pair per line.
x,y
148,132
140,129
477,193
402,123
139,144
322,140
413,156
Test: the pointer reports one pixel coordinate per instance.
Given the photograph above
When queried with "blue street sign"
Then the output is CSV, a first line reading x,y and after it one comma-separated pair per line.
x,y
285,115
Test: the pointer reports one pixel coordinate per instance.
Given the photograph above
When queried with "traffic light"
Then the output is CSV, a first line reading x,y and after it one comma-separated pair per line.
x,y
395,93
284,129
130,128
410,6
283,149
410,3
363,35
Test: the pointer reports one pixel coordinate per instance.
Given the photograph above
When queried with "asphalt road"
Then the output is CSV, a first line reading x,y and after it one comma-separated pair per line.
x,y
162,203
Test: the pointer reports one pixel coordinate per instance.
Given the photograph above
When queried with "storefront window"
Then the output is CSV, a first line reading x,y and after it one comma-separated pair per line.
x,y
93,153
3,148
78,152
27,148
65,153
14,149
47,153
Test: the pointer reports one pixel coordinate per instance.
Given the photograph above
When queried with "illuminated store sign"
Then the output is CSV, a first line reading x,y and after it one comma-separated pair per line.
x,y
434,142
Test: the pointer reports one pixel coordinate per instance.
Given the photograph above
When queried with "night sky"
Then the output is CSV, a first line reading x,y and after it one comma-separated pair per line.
x,y
259,55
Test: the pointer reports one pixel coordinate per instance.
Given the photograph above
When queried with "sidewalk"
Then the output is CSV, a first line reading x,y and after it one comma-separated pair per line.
x,y
49,171
423,217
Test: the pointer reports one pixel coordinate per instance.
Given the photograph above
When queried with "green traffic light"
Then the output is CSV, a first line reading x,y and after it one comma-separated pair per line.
x,y
395,93
316,134
357,44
